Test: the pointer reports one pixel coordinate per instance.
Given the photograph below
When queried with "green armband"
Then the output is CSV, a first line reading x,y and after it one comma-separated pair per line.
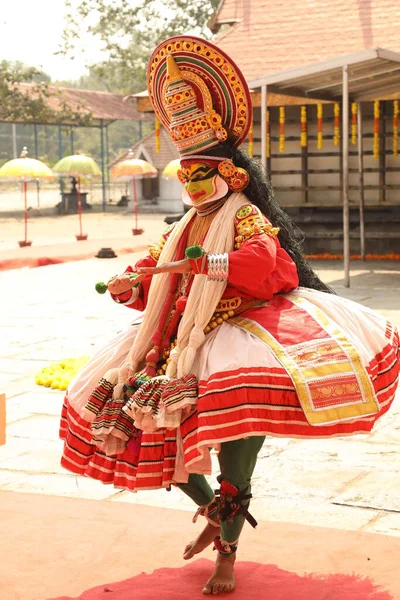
x,y
194,252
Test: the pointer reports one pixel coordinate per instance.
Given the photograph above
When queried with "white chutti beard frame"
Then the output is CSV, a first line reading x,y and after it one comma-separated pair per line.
x,y
221,189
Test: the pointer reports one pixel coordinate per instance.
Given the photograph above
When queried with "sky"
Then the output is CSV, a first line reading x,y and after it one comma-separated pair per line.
x,y
30,31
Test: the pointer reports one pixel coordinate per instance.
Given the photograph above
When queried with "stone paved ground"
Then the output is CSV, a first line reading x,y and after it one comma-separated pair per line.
x,y
52,312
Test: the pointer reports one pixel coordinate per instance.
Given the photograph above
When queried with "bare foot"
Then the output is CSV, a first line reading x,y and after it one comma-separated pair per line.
x,y
223,578
205,538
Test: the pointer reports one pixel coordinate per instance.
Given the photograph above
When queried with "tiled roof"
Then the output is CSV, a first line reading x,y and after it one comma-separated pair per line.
x,y
102,105
160,159
273,35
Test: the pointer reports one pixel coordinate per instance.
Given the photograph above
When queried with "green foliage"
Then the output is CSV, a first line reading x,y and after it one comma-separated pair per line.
x,y
129,30
24,103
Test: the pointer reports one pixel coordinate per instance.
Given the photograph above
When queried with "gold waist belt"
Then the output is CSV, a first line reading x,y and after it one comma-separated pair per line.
x,y
228,304
223,314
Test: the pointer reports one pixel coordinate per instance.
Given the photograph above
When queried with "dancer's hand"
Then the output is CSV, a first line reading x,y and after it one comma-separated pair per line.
x,y
123,283
179,266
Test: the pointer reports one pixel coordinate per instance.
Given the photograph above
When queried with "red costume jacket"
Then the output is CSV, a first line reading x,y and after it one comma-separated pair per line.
x,y
258,267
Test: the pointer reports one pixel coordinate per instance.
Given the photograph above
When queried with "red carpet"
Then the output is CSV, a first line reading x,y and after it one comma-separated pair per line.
x,y
254,582
42,261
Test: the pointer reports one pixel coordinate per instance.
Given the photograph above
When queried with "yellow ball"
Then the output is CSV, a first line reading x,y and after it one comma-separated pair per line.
x,y
59,375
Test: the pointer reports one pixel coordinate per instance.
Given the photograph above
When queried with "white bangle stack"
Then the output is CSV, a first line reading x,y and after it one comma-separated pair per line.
x,y
218,266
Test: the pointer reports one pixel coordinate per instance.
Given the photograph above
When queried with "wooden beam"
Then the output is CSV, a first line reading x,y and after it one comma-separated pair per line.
x,y
379,93
301,93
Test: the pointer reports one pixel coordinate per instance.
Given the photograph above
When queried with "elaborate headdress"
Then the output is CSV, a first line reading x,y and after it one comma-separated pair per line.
x,y
199,95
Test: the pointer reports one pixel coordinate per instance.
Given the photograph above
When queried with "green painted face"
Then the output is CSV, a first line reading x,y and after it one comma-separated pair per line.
x,y
201,182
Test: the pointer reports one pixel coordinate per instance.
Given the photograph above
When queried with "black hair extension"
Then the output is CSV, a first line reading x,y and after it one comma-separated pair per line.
x,y
260,193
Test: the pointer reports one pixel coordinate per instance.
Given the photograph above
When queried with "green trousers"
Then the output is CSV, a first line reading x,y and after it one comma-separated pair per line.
x,y
237,460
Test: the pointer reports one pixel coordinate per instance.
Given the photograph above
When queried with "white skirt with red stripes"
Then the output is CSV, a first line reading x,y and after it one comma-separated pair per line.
x,y
246,388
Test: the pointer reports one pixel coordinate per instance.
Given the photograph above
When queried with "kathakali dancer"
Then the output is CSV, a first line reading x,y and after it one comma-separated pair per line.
x,y
236,339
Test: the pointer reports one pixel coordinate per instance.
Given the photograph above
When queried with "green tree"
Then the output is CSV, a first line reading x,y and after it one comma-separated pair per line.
x,y
27,97
128,31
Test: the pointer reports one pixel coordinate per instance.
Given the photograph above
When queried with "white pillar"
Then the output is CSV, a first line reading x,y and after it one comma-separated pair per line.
x,y
264,126
361,178
345,178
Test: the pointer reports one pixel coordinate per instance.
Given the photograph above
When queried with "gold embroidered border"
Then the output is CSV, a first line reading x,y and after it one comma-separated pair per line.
x,y
337,333
327,416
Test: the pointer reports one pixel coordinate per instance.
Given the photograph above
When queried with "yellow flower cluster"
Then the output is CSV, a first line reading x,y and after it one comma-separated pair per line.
x,y
251,139
303,120
354,123
282,129
157,129
336,124
376,128
319,123
58,376
268,136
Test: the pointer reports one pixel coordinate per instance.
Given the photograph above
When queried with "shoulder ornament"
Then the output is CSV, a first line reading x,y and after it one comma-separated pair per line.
x,y
250,221
156,249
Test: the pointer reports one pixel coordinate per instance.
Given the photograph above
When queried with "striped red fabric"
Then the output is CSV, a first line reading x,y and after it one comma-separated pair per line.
x,y
231,405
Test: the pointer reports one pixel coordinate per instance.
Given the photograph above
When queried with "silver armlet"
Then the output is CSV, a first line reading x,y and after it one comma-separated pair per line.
x,y
218,267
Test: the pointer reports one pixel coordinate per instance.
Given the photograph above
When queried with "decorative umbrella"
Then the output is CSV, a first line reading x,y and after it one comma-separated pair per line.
x,y
172,168
133,168
26,169
78,165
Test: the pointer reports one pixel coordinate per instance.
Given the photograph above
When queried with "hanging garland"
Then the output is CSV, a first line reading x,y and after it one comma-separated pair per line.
x,y
395,127
319,122
336,124
376,128
282,129
354,123
157,135
268,136
328,256
303,120
251,140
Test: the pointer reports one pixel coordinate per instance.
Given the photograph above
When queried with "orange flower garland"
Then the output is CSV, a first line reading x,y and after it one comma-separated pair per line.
x,y
268,136
354,123
251,141
319,122
157,127
282,129
327,256
303,120
336,124
376,128
395,127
